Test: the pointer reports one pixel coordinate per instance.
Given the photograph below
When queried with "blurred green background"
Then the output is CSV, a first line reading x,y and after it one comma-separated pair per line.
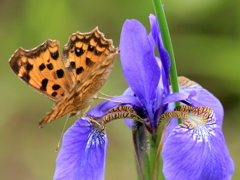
x,y
206,41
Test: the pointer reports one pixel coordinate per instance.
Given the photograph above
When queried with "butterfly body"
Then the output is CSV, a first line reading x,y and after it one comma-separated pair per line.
x,y
71,80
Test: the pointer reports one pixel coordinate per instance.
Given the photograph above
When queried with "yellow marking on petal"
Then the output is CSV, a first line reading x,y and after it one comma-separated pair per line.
x,y
205,113
193,116
113,114
122,108
185,82
172,114
121,112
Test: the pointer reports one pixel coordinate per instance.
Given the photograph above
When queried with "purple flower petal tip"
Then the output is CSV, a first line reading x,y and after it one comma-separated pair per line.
x,y
83,153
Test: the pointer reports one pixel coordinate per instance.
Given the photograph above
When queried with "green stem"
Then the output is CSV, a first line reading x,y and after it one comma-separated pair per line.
x,y
140,142
153,153
168,45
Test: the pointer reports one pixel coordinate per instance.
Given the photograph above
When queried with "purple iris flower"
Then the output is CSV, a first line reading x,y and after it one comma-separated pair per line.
x,y
198,152
146,74
188,153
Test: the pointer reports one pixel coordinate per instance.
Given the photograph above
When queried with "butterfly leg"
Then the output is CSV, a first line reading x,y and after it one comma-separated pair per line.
x,y
60,139
96,123
86,110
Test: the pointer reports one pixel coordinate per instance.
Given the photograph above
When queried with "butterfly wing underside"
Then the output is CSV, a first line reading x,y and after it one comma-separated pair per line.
x,y
42,68
89,57
71,80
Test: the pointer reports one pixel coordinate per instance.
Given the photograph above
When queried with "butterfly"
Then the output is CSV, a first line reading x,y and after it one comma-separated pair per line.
x,y
71,79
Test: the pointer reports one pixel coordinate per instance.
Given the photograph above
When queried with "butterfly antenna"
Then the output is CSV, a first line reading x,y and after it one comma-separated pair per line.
x,y
105,94
61,137
108,99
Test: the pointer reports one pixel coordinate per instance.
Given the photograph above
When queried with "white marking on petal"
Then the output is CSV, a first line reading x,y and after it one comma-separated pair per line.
x,y
199,122
96,137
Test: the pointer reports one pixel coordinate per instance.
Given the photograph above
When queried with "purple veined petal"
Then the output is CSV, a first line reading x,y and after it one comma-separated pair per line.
x,y
128,92
156,35
203,97
139,65
164,63
139,109
83,153
178,97
197,154
163,88
155,31
102,108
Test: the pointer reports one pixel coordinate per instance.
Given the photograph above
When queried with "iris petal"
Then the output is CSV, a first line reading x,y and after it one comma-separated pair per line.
x,y
156,35
176,97
139,64
197,154
83,153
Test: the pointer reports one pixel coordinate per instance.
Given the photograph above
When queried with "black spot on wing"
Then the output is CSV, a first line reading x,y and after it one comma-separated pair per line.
x,y
55,87
89,62
95,36
60,73
44,84
42,67
91,48
54,55
50,66
73,65
54,94
79,70
97,53
29,67
79,51
26,77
